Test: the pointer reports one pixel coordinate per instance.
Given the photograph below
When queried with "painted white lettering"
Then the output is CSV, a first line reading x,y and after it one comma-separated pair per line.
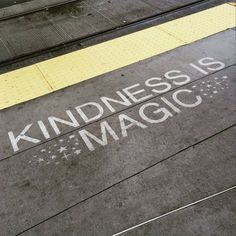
x,y
132,94
199,69
90,104
178,77
105,127
181,103
211,64
164,111
125,127
171,105
22,136
125,101
155,82
43,129
73,123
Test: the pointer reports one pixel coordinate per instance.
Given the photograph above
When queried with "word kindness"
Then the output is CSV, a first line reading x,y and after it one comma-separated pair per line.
x,y
161,109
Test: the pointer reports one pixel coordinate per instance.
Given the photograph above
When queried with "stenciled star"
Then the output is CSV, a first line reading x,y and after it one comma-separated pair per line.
x,y
65,156
77,152
62,149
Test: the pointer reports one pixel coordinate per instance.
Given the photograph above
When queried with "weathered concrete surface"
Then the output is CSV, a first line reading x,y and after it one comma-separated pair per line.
x,y
61,24
107,85
187,177
43,180
16,7
7,3
5,52
173,15
45,29
11,8
213,217
121,12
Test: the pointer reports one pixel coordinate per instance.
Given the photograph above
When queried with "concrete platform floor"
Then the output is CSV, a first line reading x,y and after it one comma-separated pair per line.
x,y
168,153
147,149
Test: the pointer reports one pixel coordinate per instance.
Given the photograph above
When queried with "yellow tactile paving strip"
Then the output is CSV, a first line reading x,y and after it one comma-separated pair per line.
x,y
90,62
57,73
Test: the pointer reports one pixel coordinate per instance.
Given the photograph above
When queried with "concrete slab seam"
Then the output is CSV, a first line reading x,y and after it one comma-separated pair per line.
x,y
129,177
176,210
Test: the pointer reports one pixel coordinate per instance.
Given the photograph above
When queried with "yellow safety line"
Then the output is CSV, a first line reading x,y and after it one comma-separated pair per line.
x,y
232,3
45,77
